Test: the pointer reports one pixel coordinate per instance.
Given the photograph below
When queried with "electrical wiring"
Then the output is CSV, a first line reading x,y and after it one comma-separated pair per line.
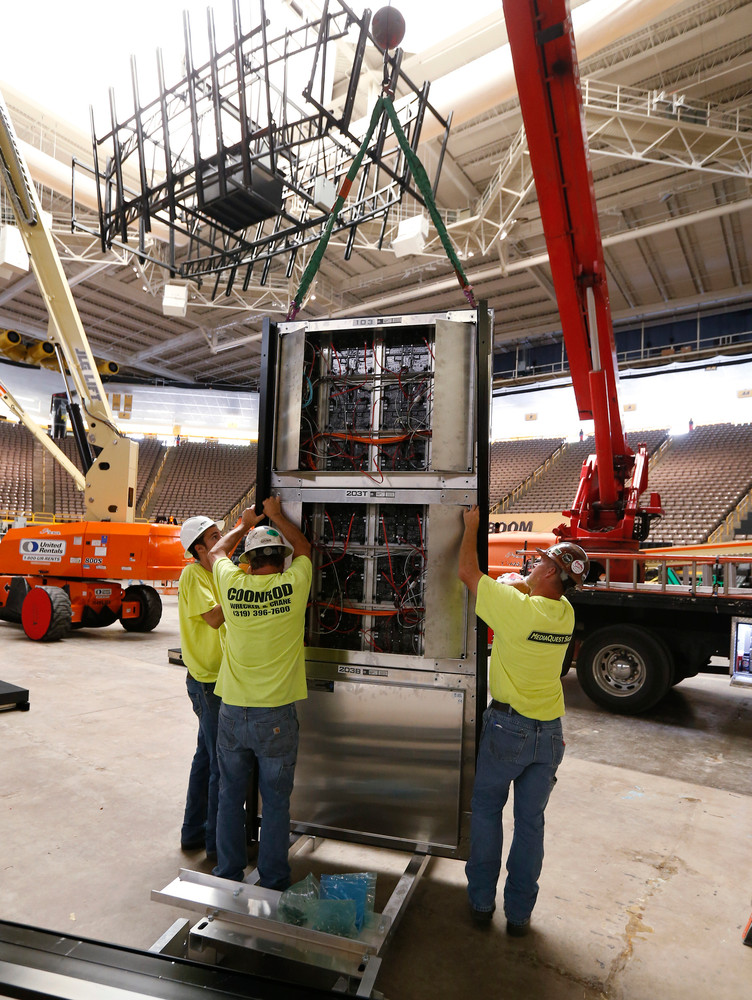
x,y
368,408
344,547
369,405
389,615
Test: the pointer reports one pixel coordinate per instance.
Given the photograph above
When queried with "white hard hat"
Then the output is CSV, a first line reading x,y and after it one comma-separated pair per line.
x,y
571,559
269,540
192,529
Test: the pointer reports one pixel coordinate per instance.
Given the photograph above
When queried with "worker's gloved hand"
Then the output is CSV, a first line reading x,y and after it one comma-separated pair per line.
x,y
515,580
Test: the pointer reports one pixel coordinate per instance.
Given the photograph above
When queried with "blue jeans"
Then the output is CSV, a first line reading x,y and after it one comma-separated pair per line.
x,y
268,736
200,818
515,749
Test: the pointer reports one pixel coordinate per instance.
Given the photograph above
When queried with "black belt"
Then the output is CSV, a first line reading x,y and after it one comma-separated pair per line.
x,y
503,706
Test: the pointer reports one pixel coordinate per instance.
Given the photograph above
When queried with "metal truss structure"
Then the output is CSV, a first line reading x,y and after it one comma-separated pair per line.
x,y
667,107
242,159
623,123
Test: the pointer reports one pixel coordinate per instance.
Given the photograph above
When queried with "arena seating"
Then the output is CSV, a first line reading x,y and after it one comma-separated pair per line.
x,y
555,489
513,461
701,477
16,469
204,478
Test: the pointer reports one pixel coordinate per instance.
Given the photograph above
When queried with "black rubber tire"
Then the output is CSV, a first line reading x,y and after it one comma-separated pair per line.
x,y
625,669
59,615
151,609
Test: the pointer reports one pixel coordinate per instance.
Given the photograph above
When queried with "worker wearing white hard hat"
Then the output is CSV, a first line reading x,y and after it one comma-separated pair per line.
x,y
202,634
263,538
261,678
521,740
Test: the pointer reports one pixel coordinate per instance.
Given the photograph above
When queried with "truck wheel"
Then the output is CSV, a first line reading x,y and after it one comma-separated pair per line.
x,y
46,614
624,669
151,609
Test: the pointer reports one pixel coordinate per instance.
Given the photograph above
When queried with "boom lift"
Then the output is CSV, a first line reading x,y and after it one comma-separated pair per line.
x,y
55,577
606,514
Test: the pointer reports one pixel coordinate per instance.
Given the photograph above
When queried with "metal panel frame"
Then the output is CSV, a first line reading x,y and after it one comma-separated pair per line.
x,y
353,781
455,651
241,931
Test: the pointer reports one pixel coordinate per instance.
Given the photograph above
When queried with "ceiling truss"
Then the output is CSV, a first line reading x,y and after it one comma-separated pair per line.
x,y
669,119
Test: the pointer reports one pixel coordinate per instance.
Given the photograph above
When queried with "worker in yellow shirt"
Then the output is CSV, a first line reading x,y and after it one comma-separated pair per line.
x,y
201,639
521,740
261,677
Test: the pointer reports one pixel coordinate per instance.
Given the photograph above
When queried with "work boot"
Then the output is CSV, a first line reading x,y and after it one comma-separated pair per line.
x,y
481,918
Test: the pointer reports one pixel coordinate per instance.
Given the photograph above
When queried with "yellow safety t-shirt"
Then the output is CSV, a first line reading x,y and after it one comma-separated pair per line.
x,y
263,664
201,644
531,635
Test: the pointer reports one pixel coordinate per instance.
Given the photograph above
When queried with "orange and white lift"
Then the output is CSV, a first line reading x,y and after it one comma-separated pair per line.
x,y
90,573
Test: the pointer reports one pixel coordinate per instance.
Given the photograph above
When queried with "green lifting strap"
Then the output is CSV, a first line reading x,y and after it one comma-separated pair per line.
x,y
383,106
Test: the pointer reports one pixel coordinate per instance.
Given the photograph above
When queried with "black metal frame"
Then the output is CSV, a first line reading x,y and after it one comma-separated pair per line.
x,y
39,963
483,431
13,697
237,184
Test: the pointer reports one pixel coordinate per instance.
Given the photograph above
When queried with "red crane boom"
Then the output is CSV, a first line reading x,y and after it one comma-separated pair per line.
x,y
606,513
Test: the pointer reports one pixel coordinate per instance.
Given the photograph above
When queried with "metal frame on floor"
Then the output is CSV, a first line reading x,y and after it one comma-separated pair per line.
x,y
240,930
36,964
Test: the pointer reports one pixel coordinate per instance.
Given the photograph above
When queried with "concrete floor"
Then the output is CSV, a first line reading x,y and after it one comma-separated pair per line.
x,y
646,886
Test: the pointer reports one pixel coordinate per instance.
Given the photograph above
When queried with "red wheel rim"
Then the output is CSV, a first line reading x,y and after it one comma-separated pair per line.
x,y
36,613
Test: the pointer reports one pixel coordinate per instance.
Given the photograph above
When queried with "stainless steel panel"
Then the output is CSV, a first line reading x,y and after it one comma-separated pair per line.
x,y
333,487
216,942
383,322
380,760
444,595
289,399
388,668
392,667
452,446
255,910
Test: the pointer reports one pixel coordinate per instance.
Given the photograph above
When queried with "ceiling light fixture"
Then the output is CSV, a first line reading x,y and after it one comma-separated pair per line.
x,y
175,300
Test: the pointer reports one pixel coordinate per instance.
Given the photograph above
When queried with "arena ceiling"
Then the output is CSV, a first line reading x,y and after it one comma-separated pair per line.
x,y
669,118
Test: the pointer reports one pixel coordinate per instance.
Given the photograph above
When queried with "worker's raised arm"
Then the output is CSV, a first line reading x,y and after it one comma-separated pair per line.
x,y
300,544
469,569
226,545
214,618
